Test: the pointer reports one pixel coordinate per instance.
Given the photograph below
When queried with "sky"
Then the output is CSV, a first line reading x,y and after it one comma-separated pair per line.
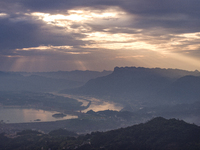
x,y
53,35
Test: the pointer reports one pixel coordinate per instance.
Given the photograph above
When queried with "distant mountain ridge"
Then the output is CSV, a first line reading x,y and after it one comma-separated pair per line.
x,y
184,90
123,81
46,81
170,73
140,85
76,75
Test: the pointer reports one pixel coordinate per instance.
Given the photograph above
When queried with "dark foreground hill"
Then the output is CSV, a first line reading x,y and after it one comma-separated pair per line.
x,y
157,134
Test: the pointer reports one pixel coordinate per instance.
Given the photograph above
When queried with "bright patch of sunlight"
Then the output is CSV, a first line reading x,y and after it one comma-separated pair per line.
x,y
123,46
108,37
58,17
117,41
133,56
49,47
77,53
81,16
187,60
106,40
81,65
191,35
181,42
62,49
100,29
3,15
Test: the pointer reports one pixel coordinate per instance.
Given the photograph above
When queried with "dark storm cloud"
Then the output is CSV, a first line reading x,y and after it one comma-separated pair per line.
x,y
182,15
17,33
141,7
176,16
179,14
58,5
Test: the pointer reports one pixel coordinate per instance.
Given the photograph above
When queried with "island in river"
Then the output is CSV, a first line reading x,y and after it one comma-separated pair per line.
x,y
59,115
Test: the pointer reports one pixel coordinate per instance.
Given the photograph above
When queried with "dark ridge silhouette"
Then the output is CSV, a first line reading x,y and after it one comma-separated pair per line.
x,y
63,132
156,134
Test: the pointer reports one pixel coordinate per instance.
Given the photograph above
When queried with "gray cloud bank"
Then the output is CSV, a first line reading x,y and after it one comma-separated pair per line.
x,y
152,22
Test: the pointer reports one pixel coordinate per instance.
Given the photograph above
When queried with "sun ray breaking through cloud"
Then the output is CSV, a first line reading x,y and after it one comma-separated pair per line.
x,y
132,36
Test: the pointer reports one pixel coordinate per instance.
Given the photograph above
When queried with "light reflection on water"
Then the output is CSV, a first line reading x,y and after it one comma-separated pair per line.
x,y
99,105
96,104
19,115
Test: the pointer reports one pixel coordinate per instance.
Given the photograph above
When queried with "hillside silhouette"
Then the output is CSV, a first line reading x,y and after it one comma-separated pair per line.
x,y
144,86
156,134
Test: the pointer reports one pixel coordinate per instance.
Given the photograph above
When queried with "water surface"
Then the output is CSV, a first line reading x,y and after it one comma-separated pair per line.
x,y
96,104
20,115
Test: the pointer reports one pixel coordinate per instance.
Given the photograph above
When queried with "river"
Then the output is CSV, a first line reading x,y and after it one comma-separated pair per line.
x,y
96,104
20,115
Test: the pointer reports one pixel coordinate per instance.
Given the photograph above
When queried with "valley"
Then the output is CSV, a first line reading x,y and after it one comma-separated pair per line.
x,y
125,97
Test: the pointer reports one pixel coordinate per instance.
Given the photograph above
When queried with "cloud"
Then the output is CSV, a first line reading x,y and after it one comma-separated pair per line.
x,y
86,32
19,33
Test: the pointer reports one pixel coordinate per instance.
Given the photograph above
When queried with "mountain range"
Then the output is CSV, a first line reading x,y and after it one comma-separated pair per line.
x,y
133,87
144,86
46,81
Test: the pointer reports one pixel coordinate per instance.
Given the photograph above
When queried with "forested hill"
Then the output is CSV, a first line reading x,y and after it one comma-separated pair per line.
x,y
156,134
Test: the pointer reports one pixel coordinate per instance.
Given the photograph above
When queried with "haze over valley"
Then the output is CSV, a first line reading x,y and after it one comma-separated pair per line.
x,y
99,74
128,95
